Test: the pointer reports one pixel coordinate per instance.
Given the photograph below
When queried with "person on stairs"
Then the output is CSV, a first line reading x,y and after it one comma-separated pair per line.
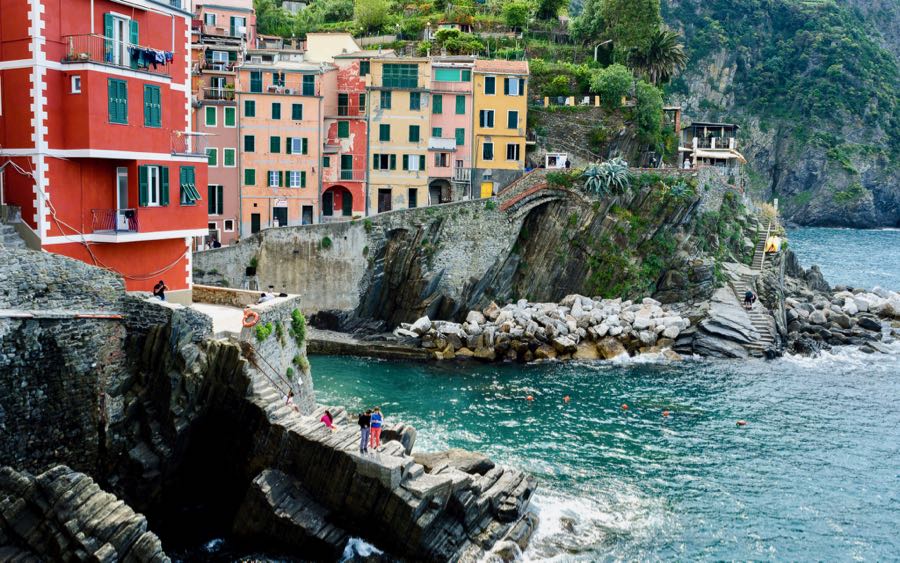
x,y
377,421
749,300
365,419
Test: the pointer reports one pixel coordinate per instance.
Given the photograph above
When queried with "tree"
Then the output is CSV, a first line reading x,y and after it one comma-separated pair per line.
x,y
515,14
612,83
455,42
648,112
334,10
661,59
549,9
630,23
370,15
589,25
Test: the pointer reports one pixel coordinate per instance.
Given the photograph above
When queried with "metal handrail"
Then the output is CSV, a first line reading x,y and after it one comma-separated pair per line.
x,y
253,356
101,49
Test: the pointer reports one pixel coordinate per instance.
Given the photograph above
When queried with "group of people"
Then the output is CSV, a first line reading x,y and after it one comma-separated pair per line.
x,y
370,424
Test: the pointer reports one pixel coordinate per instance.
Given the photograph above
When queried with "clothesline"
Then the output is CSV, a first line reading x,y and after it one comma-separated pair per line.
x,y
145,56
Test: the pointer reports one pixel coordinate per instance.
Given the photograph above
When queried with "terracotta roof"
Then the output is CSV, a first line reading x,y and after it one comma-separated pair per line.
x,y
501,67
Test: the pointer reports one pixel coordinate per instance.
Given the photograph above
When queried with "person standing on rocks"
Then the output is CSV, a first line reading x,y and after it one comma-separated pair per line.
x,y
377,421
365,419
159,290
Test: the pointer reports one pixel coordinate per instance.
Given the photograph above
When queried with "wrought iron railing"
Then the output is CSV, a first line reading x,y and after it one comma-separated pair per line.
x,y
190,144
114,220
357,175
100,49
218,94
350,111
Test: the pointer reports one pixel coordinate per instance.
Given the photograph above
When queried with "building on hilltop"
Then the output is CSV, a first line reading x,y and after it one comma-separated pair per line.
x,y
283,101
98,149
450,138
500,116
711,144
221,35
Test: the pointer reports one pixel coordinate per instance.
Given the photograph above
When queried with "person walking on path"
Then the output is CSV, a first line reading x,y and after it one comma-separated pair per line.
x,y
289,401
377,421
365,419
749,299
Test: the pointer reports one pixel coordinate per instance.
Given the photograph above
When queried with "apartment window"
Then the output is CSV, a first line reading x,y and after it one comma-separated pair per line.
x,y
249,177
384,132
326,162
230,118
364,67
296,145
436,132
275,178
210,113
276,110
400,76
460,105
413,133
278,79
460,136
249,143
215,199
343,129
512,120
514,86
296,179
385,100
188,192
362,103
441,159
413,198
346,167
490,85
512,151
486,118
118,101
256,81
76,84
437,103
487,151
153,186
152,106
309,85
220,57
209,19
229,158
415,101
228,225
274,145
296,112
212,156
249,108
384,161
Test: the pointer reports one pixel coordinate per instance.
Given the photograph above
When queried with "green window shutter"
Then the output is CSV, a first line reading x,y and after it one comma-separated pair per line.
x,y
281,178
230,117
363,68
164,185
157,107
152,109
143,188
288,145
393,162
376,162
460,137
255,81
304,146
467,76
414,133
274,145
249,108
436,132
460,105
297,111
506,86
384,132
133,38
123,100
276,110
422,162
343,129
210,116
249,176
303,178
385,100
326,161
112,104
249,143
415,100
107,33
148,117
210,201
437,103
212,156
512,120
490,85
405,162
228,157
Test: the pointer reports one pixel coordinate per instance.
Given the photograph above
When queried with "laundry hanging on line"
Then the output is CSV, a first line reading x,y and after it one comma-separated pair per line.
x,y
144,57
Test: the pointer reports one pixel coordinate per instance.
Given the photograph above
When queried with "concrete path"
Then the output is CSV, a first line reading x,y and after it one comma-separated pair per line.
x,y
224,318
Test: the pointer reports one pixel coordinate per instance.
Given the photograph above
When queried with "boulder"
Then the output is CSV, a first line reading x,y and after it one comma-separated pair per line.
x,y
474,317
421,326
671,332
841,320
610,348
586,351
464,353
647,337
545,352
564,344
818,317
492,311
869,323
462,460
485,353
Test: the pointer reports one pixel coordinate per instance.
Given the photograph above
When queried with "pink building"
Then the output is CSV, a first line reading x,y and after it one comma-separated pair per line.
x,y
449,144
226,18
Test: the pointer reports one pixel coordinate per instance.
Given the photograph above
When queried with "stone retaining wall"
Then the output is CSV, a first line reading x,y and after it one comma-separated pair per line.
x,y
225,296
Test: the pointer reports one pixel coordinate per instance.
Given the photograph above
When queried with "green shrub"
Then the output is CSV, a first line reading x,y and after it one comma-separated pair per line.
x,y
562,179
612,83
289,374
367,225
263,330
298,326
326,243
490,205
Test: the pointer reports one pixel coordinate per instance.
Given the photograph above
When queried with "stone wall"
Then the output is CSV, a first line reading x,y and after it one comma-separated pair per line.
x,y
225,296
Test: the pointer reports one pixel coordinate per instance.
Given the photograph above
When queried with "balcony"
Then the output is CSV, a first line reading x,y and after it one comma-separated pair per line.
x,y
439,86
355,175
189,144
217,66
114,220
104,50
462,175
350,111
219,94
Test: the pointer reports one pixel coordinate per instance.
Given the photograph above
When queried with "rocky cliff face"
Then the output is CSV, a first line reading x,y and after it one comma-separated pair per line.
x,y
818,121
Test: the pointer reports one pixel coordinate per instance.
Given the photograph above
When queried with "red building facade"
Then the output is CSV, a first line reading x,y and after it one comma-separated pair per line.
x,y
96,135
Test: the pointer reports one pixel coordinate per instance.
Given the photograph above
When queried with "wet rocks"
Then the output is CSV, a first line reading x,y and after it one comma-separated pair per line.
x,y
463,460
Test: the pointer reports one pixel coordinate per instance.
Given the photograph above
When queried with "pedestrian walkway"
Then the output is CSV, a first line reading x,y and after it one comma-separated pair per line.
x,y
759,315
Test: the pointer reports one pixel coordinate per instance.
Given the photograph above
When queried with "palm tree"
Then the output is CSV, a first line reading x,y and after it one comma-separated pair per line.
x,y
661,58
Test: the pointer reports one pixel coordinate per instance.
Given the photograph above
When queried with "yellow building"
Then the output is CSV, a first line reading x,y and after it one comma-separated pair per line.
x,y
399,122
500,117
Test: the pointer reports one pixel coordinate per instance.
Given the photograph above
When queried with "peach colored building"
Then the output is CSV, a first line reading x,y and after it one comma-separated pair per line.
x,y
450,137
226,18
282,102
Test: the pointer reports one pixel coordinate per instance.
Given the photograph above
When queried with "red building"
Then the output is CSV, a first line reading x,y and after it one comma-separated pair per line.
x,y
96,145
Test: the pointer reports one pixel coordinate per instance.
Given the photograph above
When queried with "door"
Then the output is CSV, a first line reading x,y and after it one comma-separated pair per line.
x,y
487,189
123,214
434,195
280,215
346,204
346,167
384,200
328,204
120,37
306,216
254,223
413,198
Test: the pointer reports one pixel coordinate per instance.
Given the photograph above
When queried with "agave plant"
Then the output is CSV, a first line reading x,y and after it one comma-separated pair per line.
x,y
681,190
607,178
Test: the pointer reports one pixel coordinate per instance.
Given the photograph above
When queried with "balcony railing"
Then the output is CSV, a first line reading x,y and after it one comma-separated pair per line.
x,y
462,174
100,49
217,66
350,111
354,175
457,87
189,144
226,94
114,220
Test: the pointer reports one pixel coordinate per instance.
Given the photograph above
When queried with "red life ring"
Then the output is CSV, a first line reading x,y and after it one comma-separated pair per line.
x,y
250,318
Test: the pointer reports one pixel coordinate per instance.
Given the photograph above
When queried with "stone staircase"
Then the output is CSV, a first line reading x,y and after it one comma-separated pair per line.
x,y
9,238
759,315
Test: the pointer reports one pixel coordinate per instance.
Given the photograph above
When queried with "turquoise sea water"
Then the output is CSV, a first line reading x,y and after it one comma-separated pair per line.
x,y
850,257
814,475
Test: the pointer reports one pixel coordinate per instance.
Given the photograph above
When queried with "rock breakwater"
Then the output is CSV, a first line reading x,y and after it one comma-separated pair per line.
x,y
577,328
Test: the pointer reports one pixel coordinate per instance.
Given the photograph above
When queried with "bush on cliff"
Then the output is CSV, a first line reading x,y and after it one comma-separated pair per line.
x,y
298,327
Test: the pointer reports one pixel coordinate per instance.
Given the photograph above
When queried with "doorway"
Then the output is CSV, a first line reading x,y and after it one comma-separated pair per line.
x,y
280,215
120,38
384,200
306,216
122,211
254,223
328,203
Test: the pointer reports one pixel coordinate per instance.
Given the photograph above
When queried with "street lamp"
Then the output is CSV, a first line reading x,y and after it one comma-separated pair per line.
x,y
608,41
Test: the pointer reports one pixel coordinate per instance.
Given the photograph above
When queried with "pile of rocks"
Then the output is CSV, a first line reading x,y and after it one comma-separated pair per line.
x,y
845,317
576,328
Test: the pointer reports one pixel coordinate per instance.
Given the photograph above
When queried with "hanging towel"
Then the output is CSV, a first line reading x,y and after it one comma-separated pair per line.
x,y
170,56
